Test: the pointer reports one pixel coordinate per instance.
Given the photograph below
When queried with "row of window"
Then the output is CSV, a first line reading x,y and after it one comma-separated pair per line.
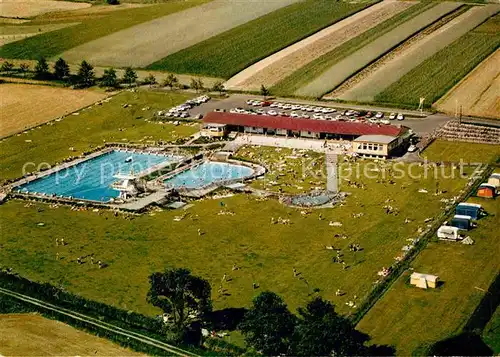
x,y
372,147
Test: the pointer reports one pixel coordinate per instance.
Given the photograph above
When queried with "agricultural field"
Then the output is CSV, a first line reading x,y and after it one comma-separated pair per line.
x,y
92,127
477,93
143,44
232,51
309,72
266,253
452,151
12,33
389,72
34,335
342,70
274,68
411,318
491,333
439,73
24,105
30,8
92,27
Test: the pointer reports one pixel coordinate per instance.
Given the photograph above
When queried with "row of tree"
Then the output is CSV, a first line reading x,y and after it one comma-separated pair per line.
x,y
85,77
269,326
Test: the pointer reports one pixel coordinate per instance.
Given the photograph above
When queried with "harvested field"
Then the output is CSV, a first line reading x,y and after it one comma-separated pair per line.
x,y
30,8
342,70
478,93
410,57
11,33
234,50
25,105
439,73
146,43
92,27
280,65
34,335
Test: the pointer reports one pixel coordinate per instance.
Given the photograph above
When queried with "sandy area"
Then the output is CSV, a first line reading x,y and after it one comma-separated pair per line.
x,y
146,43
30,8
391,70
478,93
34,335
282,64
25,105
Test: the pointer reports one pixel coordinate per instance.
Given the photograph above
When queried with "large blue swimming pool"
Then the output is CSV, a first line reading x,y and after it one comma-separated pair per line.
x,y
208,173
91,179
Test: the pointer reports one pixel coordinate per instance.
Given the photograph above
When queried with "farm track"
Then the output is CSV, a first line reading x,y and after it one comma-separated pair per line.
x,y
374,79
274,68
170,349
143,44
350,65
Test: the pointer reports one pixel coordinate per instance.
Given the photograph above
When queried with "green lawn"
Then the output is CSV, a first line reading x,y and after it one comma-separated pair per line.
x,y
292,171
491,333
93,127
266,252
451,151
230,52
439,73
51,44
411,318
312,70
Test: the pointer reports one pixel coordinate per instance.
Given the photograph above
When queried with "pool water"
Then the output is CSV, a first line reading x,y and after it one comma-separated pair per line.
x,y
91,179
208,173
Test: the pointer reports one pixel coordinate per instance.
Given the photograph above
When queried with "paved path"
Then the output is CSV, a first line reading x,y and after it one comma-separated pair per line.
x,y
332,183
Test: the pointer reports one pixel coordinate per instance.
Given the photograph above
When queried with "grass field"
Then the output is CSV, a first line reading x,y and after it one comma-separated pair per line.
x,y
309,72
450,151
53,43
339,72
438,74
34,335
30,8
265,252
232,51
410,318
491,333
92,127
24,105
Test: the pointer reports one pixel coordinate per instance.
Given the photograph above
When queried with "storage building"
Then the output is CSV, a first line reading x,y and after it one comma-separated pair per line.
x,y
424,281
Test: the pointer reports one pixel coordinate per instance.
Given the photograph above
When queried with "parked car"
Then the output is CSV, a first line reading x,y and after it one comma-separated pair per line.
x,y
401,116
294,115
272,113
385,121
379,115
392,116
266,104
368,115
412,148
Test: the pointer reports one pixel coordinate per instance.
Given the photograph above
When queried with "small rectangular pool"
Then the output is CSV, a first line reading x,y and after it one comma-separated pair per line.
x,y
91,179
208,173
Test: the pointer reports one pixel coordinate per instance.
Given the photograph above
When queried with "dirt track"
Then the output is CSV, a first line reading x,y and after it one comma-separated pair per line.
x,y
280,65
478,93
30,8
146,43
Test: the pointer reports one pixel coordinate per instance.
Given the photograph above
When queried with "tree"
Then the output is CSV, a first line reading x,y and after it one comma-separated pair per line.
x,y
61,69
264,91
197,84
218,87
109,78
24,67
151,80
268,326
179,294
86,77
129,77
320,331
171,81
42,68
7,66
112,2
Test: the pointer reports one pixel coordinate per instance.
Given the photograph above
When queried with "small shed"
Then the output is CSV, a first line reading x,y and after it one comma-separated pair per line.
x,y
448,233
494,180
486,190
424,281
469,209
462,222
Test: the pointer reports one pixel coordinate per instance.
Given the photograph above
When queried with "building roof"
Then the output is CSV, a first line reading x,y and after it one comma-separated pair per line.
x,y
471,205
495,175
487,185
427,277
462,216
379,139
297,124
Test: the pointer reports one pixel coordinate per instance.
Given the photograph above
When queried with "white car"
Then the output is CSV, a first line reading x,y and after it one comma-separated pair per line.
x,y
249,102
373,121
412,148
260,112
305,116
329,117
401,116
184,115
392,116
274,105
272,113
233,111
279,105
294,115
287,106
385,121
296,107
379,115
318,117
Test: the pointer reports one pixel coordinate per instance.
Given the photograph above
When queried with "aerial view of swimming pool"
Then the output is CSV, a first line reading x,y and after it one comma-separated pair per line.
x,y
208,173
91,179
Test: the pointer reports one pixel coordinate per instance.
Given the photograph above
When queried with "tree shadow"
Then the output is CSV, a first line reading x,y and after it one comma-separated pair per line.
x,y
227,319
465,344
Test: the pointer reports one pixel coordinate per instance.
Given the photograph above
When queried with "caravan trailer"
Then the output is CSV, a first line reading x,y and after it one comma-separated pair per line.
x,y
469,209
448,233
462,222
